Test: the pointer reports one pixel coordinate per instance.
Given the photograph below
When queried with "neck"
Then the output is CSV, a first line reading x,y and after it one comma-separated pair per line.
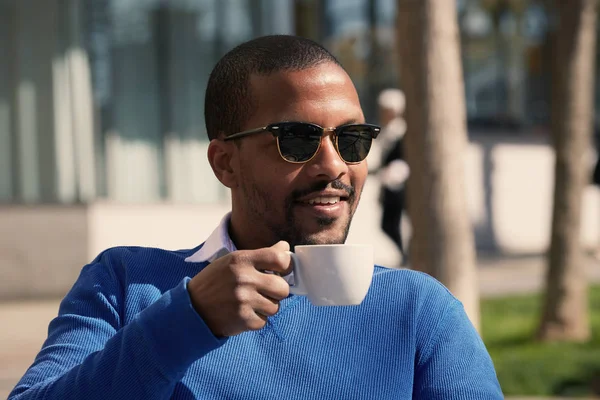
x,y
245,238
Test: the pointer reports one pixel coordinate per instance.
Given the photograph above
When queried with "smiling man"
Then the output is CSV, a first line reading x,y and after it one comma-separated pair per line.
x,y
288,137
300,189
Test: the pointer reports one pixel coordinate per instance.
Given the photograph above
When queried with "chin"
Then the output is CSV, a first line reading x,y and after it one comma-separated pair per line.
x,y
320,231
325,236
323,240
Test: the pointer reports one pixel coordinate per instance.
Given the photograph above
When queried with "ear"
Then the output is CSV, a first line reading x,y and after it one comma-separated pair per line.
x,y
220,156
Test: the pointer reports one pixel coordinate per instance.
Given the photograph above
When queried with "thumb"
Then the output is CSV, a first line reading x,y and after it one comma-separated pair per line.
x,y
282,245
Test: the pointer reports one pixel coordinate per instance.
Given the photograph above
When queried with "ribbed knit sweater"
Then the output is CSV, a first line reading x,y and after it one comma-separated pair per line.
x,y
127,330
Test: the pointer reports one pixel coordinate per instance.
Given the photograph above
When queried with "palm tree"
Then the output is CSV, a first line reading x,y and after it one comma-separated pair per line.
x,y
431,74
565,312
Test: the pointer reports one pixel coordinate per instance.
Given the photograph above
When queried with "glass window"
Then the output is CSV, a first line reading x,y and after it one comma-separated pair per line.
x,y
361,34
105,98
151,61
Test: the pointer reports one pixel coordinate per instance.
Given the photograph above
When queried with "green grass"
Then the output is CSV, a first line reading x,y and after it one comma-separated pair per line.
x,y
526,367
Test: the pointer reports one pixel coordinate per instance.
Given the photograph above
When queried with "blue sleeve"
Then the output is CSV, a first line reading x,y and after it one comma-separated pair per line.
x,y
89,354
454,364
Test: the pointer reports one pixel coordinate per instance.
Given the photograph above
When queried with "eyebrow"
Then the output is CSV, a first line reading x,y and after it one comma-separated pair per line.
x,y
346,122
351,121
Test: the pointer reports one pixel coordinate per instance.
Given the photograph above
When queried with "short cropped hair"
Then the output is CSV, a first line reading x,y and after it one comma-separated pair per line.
x,y
228,102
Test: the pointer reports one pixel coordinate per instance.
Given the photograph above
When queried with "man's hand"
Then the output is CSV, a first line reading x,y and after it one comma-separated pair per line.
x,y
233,294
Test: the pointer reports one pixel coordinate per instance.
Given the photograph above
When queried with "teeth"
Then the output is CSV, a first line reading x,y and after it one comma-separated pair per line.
x,y
324,200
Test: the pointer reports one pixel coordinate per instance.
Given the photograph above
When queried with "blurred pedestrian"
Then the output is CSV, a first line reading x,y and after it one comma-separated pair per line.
x,y
393,170
596,175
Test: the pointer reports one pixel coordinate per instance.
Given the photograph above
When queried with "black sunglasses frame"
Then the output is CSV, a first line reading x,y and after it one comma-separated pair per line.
x,y
276,129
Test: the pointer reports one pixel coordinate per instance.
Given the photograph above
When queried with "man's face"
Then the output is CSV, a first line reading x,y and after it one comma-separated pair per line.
x,y
310,203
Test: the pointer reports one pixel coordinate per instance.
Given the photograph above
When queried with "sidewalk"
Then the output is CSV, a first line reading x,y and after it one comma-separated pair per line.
x,y
24,329
25,323
499,276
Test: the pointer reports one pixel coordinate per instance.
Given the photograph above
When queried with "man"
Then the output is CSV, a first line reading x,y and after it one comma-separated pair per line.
x,y
217,321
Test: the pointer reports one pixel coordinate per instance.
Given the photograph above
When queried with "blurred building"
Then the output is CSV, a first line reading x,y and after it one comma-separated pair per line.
x,y
101,110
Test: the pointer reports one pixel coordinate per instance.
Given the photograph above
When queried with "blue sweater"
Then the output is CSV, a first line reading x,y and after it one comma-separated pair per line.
x,y
127,330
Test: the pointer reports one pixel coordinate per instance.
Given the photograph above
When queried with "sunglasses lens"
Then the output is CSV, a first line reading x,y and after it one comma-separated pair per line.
x,y
298,142
354,142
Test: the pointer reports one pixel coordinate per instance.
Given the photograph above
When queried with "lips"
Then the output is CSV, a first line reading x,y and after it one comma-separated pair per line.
x,y
323,200
325,205
324,197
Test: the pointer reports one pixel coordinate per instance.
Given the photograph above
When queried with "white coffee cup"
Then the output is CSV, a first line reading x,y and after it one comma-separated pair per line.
x,y
332,274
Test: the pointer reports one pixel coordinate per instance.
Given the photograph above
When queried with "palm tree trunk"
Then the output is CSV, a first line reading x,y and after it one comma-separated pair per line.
x,y
565,313
431,74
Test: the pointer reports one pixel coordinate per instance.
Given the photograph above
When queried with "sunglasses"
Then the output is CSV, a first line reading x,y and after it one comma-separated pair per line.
x,y
299,142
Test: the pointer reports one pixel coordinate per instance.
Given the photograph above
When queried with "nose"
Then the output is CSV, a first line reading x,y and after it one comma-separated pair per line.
x,y
327,163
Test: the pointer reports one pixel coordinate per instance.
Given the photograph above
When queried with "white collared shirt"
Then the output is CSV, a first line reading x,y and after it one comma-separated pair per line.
x,y
219,244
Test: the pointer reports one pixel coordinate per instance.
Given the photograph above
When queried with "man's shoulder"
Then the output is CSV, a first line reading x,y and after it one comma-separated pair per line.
x,y
413,296
127,267
406,275
145,254
404,282
128,261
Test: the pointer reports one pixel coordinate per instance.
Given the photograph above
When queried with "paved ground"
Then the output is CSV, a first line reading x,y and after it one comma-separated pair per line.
x,y
24,323
507,275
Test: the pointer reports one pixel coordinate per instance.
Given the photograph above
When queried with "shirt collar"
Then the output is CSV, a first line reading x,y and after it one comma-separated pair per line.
x,y
217,245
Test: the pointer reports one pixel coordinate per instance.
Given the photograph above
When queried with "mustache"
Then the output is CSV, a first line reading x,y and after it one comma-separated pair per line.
x,y
319,186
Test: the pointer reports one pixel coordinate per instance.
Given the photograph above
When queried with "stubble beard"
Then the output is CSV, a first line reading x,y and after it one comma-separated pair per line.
x,y
290,230
295,235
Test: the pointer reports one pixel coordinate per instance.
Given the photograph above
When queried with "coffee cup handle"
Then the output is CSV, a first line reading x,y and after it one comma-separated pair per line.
x,y
298,287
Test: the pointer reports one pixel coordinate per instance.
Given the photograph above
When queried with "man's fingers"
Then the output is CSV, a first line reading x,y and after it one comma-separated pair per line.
x,y
273,259
273,286
238,292
282,245
266,307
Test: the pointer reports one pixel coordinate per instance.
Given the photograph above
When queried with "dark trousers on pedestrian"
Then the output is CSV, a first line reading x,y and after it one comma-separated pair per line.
x,y
393,205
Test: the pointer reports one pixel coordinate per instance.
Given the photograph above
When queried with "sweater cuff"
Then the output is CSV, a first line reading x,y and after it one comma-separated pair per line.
x,y
175,332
